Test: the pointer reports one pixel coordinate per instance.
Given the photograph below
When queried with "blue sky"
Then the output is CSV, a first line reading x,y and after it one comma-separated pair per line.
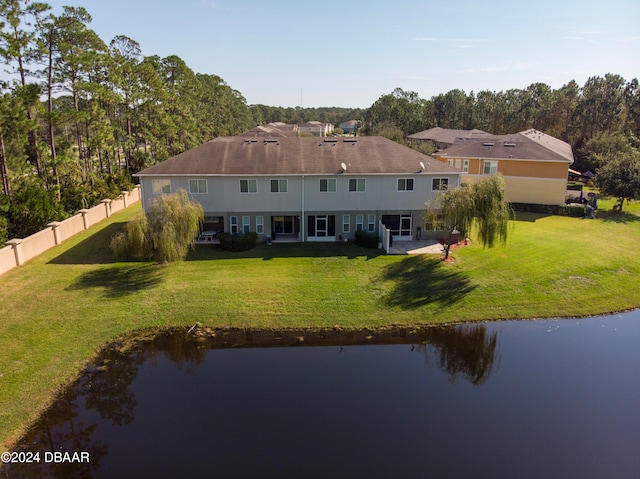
x,y
292,53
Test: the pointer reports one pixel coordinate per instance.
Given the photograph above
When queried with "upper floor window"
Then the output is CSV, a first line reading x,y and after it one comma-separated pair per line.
x,y
440,184
278,186
465,166
327,185
405,184
161,187
356,184
490,167
248,186
197,186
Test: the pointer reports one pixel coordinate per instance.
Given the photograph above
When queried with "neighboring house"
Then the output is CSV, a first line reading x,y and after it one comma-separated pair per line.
x,y
534,165
349,127
276,129
316,128
306,189
443,138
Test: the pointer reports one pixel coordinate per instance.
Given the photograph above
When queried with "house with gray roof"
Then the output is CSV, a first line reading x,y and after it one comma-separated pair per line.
x,y
304,188
443,138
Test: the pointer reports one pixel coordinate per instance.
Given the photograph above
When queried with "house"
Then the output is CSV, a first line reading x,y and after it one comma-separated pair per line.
x,y
443,138
304,188
316,128
534,165
275,129
349,127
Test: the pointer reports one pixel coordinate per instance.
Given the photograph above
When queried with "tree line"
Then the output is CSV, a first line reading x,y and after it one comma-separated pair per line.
x,y
79,116
602,114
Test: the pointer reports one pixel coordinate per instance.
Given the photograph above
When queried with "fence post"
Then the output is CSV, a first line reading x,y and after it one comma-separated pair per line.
x,y
54,226
84,212
17,249
107,207
125,197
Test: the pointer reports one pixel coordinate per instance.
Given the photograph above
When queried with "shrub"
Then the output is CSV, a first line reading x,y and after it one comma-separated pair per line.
x,y
560,210
367,240
243,242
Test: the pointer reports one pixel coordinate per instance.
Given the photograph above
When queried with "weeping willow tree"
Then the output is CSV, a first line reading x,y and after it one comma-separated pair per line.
x,y
482,204
167,232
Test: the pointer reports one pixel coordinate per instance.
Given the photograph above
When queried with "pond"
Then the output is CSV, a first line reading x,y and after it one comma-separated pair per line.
x,y
526,399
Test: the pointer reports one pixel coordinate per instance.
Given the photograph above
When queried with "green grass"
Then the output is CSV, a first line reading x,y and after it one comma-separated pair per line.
x,y
59,309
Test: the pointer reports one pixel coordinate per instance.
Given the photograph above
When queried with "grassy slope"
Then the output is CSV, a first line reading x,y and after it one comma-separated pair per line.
x,y
61,307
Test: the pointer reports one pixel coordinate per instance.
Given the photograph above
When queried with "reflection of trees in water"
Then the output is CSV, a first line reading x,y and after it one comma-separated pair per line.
x,y
468,351
105,387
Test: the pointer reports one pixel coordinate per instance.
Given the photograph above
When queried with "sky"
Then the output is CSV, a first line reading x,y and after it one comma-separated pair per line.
x,y
348,54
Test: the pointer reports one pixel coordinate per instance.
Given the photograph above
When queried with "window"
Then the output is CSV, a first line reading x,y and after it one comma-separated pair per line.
x,y
278,186
440,184
356,184
359,222
371,224
465,166
161,187
248,186
490,167
234,224
197,186
246,224
458,163
346,223
260,225
327,185
405,184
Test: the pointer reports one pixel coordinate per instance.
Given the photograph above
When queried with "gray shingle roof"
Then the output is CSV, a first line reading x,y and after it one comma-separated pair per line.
x,y
295,156
445,135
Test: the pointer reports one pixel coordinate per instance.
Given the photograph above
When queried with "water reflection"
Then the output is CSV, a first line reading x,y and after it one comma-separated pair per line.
x,y
468,351
102,393
379,403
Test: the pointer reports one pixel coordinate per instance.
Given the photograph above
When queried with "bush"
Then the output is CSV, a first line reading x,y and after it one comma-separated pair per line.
x,y
367,240
560,210
243,242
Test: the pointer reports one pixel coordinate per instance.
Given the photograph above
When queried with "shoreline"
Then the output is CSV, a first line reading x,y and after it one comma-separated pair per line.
x,y
214,337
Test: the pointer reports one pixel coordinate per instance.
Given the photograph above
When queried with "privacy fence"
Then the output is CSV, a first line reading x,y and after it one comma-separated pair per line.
x,y
19,251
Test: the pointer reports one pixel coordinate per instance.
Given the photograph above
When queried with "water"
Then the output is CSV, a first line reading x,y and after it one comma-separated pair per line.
x,y
528,399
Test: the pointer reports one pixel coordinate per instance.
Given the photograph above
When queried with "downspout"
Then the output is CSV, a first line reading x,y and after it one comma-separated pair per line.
x,y
302,219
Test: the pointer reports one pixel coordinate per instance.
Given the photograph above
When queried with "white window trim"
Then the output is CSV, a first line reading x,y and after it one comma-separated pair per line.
x,y
249,181
198,180
357,180
491,164
440,180
346,223
279,180
260,224
158,186
233,224
332,181
406,181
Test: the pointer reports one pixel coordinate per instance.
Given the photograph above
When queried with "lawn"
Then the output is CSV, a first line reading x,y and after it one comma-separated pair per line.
x,y
60,308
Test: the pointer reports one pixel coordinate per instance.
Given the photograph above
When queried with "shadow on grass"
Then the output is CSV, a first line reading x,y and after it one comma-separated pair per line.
x,y
528,217
286,250
94,249
121,280
422,281
621,217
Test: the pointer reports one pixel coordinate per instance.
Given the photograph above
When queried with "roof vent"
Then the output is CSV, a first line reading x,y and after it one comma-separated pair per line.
x,y
248,142
353,141
271,142
508,143
488,143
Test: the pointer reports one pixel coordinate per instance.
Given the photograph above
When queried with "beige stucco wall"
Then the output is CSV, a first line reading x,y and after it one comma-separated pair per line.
x,y
19,251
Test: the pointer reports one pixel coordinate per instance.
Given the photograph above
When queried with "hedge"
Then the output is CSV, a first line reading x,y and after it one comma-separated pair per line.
x,y
243,242
368,240
560,210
